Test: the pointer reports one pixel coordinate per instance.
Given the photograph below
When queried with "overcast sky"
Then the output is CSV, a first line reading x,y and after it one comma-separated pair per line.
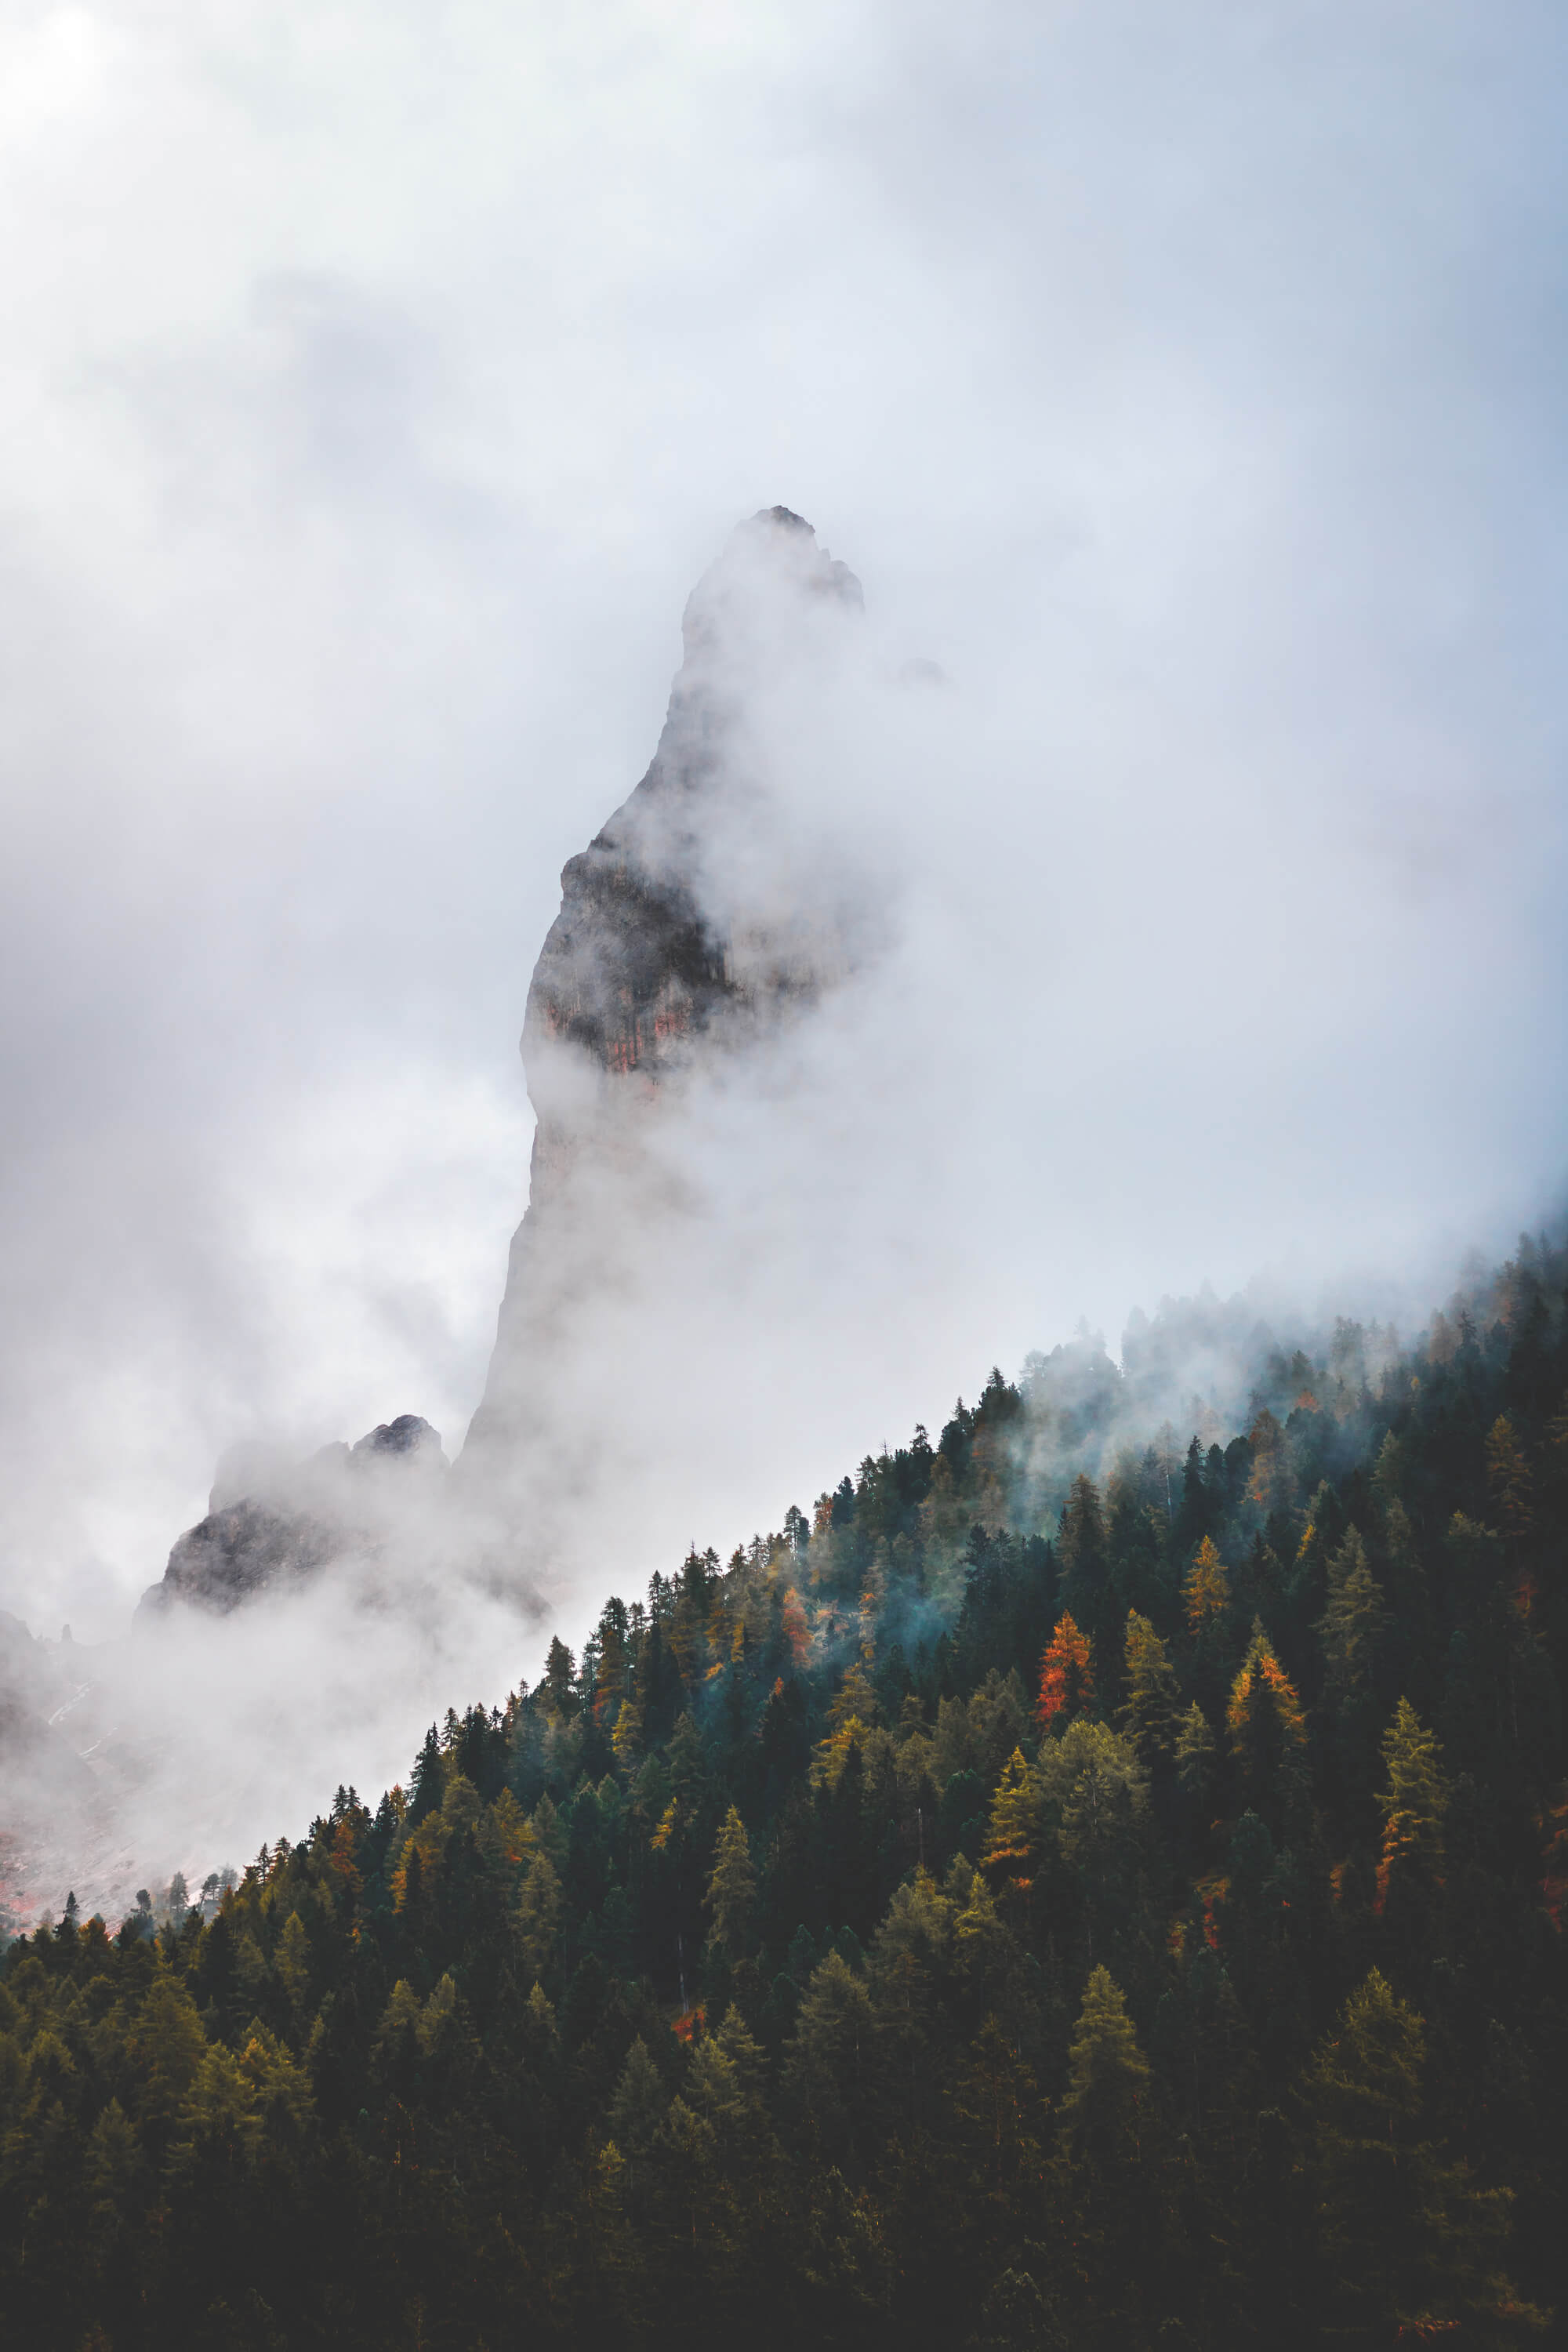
x,y
1187,384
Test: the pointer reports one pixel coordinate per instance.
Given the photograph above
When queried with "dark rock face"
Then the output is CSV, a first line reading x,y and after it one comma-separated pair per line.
x,y
636,961
233,1554
408,1438
298,1520
680,944
689,931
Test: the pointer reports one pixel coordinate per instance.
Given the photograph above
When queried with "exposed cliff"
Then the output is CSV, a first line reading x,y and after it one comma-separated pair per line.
x,y
688,930
692,928
271,1527
650,948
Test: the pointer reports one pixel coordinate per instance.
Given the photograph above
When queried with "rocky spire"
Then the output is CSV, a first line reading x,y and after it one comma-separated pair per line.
x,y
676,945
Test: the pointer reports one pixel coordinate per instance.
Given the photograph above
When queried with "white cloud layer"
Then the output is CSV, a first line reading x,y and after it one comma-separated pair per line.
x,y
1186,384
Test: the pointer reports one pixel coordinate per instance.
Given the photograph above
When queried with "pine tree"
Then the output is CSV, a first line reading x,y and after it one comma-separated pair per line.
x,y
1013,1831
1095,1796
733,1888
1509,1480
626,1739
827,2063
1407,2244
1267,1729
1066,1676
1206,1589
639,2105
538,1908
1195,1760
1269,1485
110,2175
1352,1624
610,1671
167,2046
427,1781
854,1701
1148,1713
1080,1541
1108,2074
1415,1803
688,1764
558,1686
293,1963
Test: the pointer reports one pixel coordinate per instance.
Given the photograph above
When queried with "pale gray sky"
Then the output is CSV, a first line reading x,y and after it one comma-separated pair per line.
x,y
377,379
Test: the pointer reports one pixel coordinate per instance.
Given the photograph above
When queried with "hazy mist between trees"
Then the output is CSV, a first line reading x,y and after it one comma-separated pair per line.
x,y
1198,457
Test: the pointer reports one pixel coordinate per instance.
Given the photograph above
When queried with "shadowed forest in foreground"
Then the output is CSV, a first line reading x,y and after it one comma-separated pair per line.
x,y
1061,1892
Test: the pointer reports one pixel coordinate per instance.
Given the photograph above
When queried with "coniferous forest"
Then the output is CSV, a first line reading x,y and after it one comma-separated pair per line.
x,y
1057,1892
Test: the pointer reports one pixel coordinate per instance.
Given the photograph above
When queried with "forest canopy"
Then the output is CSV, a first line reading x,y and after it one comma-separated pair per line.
x,y
1057,1891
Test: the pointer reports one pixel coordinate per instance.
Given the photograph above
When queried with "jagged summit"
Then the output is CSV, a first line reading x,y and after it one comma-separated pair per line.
x,y
274,1525
642,953
690,929
687,932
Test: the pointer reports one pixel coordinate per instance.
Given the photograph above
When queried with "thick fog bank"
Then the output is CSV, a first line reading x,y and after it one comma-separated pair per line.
x,y
1185,391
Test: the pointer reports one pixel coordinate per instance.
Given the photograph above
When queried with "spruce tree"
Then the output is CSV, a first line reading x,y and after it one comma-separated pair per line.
x,y
1206,1589
1148,1713
1108,2074
733,1888
1352,1624
1194,1756
1414,1804
1013,1831
1407,2244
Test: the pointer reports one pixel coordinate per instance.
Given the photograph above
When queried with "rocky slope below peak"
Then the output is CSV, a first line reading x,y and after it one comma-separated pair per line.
x,y
291,1520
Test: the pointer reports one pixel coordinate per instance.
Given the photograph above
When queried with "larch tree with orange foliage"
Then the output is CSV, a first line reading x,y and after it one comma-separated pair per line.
x,y
1205,1591
1267,1729
1066,1676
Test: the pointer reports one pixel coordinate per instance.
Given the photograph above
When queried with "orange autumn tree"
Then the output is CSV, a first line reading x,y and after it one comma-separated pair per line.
x,y
1206,1591
1066,1676
1267,1729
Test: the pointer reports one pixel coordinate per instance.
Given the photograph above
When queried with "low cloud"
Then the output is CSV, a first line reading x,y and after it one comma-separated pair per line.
x,y
1184,396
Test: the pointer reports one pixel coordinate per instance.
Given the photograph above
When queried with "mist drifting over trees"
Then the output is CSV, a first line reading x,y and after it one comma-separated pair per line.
x,y
1056,1890
1093,1871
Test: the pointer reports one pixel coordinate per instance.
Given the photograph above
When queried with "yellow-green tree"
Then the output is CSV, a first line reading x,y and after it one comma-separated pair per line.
x,y
1013,1831
538,1909
1350,1624
1194,1758
1108,2074
1415,1801
1206,1588
1148,1713
1407,2244
733,1887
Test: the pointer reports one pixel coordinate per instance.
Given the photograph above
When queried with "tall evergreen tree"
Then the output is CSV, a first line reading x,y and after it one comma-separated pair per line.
x,y
1148,1712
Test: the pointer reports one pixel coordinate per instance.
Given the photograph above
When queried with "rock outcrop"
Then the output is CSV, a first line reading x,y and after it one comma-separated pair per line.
x,y
277,1527
650,949
691,927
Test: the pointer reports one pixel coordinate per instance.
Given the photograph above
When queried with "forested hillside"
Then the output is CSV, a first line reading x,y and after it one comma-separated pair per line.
x,y
1013,1906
